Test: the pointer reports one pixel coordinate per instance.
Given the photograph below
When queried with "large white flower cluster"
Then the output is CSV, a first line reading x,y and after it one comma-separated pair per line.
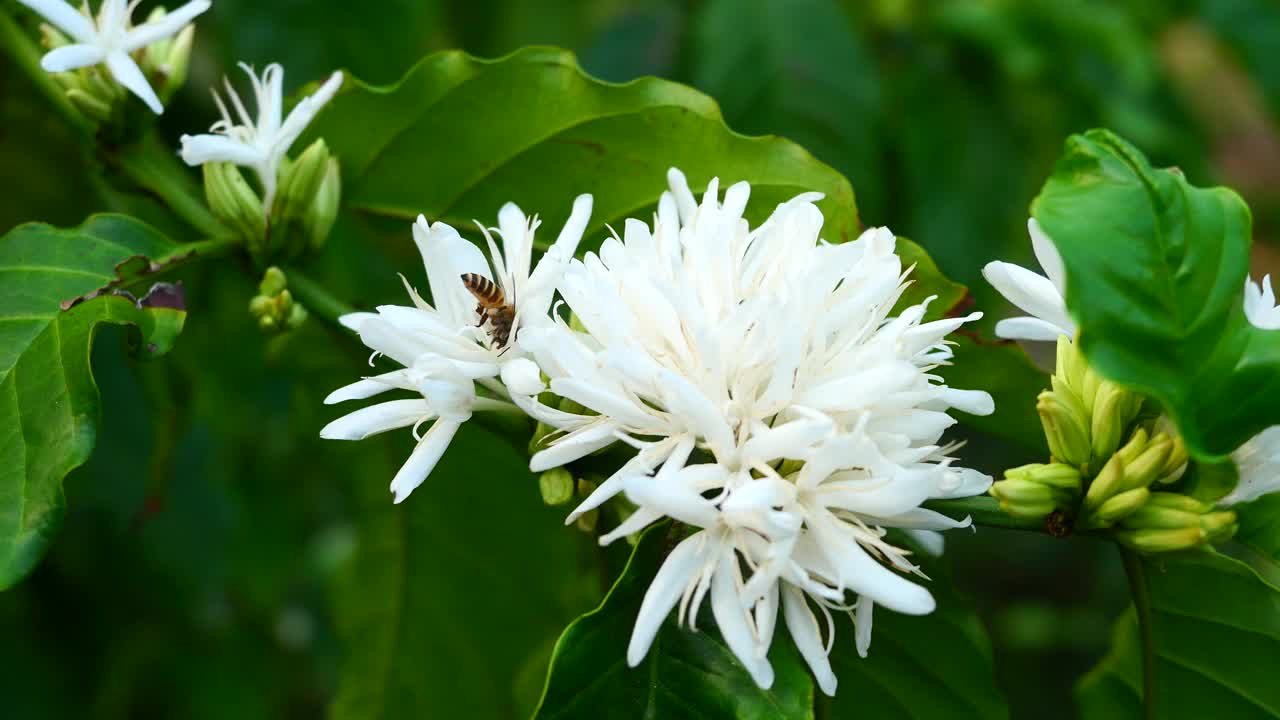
x,y
1043,298
783,409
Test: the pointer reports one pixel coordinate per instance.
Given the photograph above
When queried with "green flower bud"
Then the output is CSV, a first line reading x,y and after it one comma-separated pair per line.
x,y
1219,526
89,105
1177,501
1065,426
1090,385
236,205
274,307
1142,471
557,486
1132,449
1113,410
300,182
1176,464
1054,475
587,521
1118,506
1108,482
1070,366
1163,518
1025,498
319,220
1156,540
273,282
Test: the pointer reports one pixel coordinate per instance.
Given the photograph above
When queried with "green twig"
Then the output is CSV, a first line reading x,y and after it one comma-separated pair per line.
x,y
26,55
986,512
1134,570
155,168
315,298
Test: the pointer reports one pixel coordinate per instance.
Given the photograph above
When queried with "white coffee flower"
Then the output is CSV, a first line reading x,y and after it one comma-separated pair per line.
x,y
445,353
1258,460
756,347
110,38
259,144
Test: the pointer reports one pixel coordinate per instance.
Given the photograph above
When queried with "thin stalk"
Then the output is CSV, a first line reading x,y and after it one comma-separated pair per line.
x,y
1134,570
26,55
984,511
316,299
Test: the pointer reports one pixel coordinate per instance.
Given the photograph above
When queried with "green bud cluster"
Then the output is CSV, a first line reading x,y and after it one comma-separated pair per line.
x,y
1170,521
301,215
97,95
1122,486
1084,415
1035,490
273,306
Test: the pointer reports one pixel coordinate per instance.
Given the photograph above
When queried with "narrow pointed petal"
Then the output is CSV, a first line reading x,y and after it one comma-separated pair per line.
x,y
305,111
201,149
127,73
864,575
573,446
974,402
65,17
71,57
1029,328
170,24
376,419
931,541
635,522
807,635
369,387
1030,291
734,623
672,498
668,585
424,458
1048,257
862,622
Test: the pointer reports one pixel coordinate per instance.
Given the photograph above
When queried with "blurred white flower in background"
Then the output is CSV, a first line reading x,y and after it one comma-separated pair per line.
x,y
110,38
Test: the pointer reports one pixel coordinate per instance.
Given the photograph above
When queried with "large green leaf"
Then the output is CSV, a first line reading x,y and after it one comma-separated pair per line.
x,y
1215,634
797,68
450,593
685,675
48,398
458,137
1155,277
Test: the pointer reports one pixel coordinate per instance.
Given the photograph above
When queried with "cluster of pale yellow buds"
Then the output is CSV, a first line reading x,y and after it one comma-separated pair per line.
x,y
273,306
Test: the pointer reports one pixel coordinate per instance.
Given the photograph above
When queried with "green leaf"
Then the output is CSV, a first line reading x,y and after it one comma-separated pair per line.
x,y
458,137
800,69
1260,525
48,398
450,592
1155,275
685,675
1215,627
927,281
935,666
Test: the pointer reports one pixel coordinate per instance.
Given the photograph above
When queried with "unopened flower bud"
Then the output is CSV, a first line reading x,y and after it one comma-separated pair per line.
x,y
274,307
1157,541
1176,464
1112,410
1132,449
1178,501
586,522
1219,526
1054,475
166,61
1118,506
1107,483
300,183
236,205
319,220
1065,426
1142,471
1158,517
89,105
273,282
1025,498
557,486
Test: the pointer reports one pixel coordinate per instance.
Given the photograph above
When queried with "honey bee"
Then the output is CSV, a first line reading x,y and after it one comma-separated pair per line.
x,y
492,305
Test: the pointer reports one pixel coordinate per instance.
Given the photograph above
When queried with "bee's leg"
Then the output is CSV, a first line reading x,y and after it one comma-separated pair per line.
x,y
482,313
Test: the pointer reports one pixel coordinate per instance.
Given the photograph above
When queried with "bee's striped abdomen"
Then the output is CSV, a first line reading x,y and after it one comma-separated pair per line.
x,y
486,291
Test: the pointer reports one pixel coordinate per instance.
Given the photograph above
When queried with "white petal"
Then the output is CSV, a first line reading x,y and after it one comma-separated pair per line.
x,y
304,112
974,402
575,445
962,482
603,400
859,572
734,622
566,243
522,377
127,73
677,571
1030,291
1029,328
1047,255
170,24
424,458
201,149
635,522
377,419
447,257
698,413
673,498
862,623
370,386
641,464
71,57
791,440
353,321
807,635
65,17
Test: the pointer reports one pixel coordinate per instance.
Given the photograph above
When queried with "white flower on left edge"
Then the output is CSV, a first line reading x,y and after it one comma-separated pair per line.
x,y
262,143
110,38
444,353
1258,460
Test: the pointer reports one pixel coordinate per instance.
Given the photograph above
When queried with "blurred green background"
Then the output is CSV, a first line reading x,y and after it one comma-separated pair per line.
x,y
219,561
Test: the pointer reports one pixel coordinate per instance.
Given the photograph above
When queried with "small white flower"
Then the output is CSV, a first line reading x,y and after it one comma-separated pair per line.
x,y
443,351
259,144
1036,294
756,347
110,38
1257,460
